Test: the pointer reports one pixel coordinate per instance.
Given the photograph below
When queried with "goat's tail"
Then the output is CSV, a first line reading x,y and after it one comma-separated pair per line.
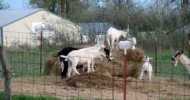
x,y
66,57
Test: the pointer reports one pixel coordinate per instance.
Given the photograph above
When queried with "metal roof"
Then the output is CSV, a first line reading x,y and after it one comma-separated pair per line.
x,y
9,16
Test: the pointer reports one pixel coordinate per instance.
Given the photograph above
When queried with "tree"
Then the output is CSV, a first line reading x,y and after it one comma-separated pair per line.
x,y
65,8
3,6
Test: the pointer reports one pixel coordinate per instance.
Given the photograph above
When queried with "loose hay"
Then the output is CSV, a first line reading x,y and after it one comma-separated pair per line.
x,y
93,80
103,70
52,66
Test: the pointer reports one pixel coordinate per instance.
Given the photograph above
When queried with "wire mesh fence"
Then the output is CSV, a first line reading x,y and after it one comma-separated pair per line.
x,y
29,61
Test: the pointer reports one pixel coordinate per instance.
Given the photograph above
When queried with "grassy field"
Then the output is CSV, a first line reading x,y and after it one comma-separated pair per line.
x,y
165,66
28,97
28,63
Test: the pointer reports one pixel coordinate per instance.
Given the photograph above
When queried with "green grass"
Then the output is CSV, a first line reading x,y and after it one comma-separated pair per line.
x,y
165,66
27,63
28,97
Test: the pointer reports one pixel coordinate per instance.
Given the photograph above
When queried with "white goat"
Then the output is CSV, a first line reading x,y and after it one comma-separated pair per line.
x,y
128,44
179,56
113,36
82,57
146,67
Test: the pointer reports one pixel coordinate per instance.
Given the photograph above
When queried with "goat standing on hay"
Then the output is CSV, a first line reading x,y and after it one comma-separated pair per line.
x,y
65,51
82,57
64,64
179,56
128,44
146,67
113,36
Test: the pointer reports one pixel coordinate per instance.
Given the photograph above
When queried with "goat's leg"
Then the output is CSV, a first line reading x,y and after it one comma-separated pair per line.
x,y
84,67
150,75
125,51
75,70
109,42
92,68
62,66
69,71
88,68
113,44
141,75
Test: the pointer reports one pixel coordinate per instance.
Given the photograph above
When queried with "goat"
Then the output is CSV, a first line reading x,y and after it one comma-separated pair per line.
x,y
67,50
113,36
128,44
146,67
64,64
81,57
179,56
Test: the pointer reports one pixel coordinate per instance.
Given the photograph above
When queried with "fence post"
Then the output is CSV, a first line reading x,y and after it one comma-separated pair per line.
x,y
6,74
189,43
41,43
124,77
155,53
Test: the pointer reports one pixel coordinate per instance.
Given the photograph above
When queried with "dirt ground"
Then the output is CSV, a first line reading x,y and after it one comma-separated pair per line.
x,y
159,88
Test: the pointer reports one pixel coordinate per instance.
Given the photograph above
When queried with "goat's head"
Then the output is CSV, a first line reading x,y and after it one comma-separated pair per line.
x,y
176,57
125,32
108,54
133,40
101,45
147,59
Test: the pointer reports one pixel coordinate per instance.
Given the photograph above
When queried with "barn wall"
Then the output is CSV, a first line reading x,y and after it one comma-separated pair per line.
x,y
21,31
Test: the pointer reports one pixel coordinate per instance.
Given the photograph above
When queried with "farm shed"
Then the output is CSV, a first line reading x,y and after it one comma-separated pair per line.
x,y
93,32
24,26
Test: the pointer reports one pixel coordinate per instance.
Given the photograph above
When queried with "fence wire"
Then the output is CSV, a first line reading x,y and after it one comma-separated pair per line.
x,y
28,78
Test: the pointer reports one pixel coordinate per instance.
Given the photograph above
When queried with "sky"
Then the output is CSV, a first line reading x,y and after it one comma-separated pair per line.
x,y
17,4
24,4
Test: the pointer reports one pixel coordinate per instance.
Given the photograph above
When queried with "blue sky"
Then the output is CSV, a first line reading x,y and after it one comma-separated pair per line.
x,y
24,4
17,4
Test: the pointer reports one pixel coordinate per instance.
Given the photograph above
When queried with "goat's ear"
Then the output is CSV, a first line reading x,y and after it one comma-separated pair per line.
x,y
181,51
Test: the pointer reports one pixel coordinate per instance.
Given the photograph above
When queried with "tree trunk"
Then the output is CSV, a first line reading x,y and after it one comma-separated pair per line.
x,y
63,8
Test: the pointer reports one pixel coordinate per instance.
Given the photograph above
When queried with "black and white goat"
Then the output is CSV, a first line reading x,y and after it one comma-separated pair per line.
x,y
82,57
180,56
65,51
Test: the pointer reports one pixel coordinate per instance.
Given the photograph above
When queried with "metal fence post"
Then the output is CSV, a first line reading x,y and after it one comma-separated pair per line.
x,y
41,43
189,42
155,56
124,77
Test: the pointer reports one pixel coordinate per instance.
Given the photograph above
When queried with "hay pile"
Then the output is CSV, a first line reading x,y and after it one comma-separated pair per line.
x,y
52,66
103,70
95,80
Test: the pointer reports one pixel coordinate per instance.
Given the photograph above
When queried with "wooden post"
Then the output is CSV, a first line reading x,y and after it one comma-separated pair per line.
x,y
6,74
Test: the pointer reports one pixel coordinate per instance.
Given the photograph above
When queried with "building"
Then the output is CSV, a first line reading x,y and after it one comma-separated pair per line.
x,y
93,32
19,27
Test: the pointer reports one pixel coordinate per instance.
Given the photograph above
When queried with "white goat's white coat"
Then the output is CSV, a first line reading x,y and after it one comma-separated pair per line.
x,y
125,45
113,36
82,57
146,67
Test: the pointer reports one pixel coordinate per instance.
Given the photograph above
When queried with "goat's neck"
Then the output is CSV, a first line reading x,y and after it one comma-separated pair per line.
x,y
96,48
185,61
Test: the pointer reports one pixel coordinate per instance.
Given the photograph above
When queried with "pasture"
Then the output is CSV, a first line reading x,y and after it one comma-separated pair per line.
x,y
170,82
